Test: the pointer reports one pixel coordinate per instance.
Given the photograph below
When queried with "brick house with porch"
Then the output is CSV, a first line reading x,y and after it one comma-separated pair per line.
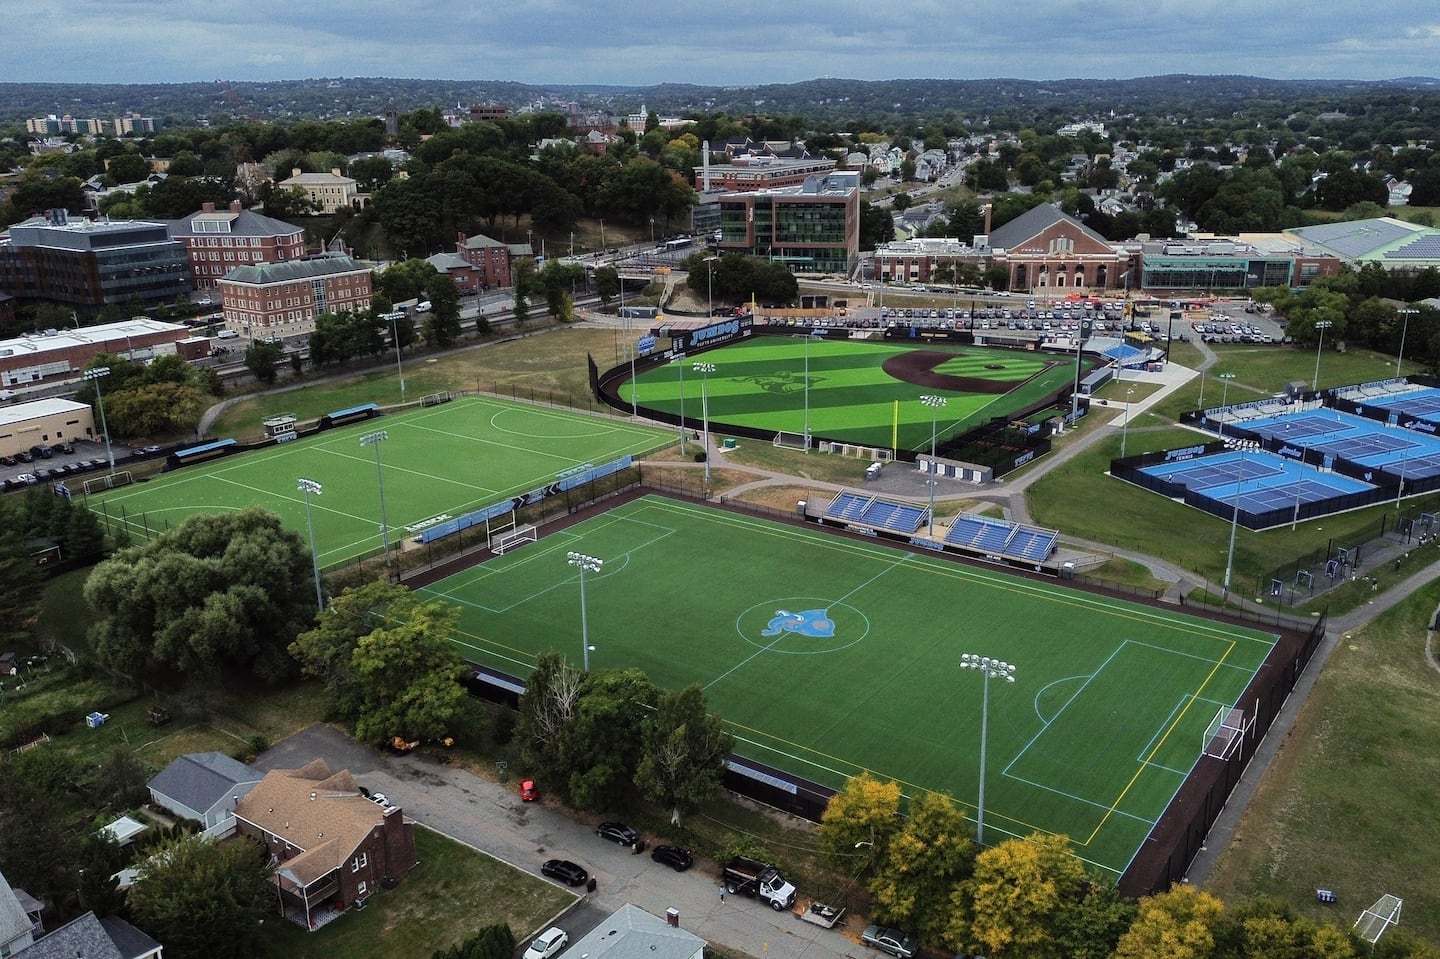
x,y
331,844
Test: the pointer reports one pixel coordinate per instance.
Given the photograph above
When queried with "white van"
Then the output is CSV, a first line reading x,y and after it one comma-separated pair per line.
x,y
228,335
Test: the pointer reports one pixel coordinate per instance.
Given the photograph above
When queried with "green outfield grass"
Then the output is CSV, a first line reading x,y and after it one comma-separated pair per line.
x,y
760,383
828,656
442,460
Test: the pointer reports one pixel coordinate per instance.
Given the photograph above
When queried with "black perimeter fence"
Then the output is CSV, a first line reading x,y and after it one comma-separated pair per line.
x,y
1177,837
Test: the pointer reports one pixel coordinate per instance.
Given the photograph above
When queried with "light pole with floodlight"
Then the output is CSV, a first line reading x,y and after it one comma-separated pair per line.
x,y
935,403
807,338
705,369
585,564
1125,427
375,439
395,335
989,669
1243,446
1406,312
312,488
1224,397
710,281
679,360
1322,326
95,376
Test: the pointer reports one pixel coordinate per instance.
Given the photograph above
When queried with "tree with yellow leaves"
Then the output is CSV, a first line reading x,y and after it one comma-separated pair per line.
x,y
924,863
1011,903
861,818
1177,924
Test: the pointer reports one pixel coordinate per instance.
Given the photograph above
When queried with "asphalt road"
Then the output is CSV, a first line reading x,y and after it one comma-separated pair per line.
x,y
490,817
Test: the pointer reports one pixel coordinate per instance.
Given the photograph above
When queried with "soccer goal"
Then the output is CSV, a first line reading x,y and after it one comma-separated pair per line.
x,y
1225,733
108,481
516,536
791,441
1374,921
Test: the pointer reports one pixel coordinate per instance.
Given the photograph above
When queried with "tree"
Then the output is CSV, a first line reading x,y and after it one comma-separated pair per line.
x,y
38,849
263,360
221,591
1019,888
205,900
924,863
607,284
1177,924
524,281
388,664
128,168
683,753
901,202
864,813
20,577
876,226
442,323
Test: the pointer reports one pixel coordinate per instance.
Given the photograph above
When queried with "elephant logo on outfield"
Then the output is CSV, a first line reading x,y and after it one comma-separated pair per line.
x,y
814,623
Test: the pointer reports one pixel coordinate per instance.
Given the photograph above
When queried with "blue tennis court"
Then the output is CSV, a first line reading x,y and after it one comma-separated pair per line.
x,y
1263,499
1261,481
1421,403
1214,470
1354,438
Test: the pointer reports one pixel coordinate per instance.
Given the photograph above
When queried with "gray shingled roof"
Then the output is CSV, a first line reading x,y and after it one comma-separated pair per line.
x,y
1033,221
108,938
632,933
1353,239
13,921
200,780
482,242
262,273
244,223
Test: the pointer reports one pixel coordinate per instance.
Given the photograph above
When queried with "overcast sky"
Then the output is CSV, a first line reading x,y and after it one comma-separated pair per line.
x,y
640,42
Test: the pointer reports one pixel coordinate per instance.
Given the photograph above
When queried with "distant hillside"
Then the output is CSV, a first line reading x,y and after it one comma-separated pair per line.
x,y
824,100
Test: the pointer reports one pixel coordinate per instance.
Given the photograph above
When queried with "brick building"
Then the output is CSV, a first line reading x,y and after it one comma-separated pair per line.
x,y
217,241
276,300
493,260
334,846
61,355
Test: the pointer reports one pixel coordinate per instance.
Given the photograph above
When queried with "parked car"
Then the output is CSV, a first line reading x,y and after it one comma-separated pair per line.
x,y
673,856
891,941
528,792
565,871
548,944
7,461
617,832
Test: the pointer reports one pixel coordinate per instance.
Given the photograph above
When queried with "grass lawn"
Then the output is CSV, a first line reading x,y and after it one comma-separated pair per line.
x,y
446,460
760,383
453,893
818,650
1349,803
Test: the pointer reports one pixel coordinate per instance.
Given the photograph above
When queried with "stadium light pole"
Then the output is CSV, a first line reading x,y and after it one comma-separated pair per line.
x,y
1224,396
95,376
585,564
375,439
935,403
705,369
312,488
807,338
1322,326
1406,312
710,280
989,669
1242,445
1125,427
679,359
395,335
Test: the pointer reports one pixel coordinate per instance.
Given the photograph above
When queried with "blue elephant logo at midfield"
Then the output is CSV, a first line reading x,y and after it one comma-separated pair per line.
x,y
815,623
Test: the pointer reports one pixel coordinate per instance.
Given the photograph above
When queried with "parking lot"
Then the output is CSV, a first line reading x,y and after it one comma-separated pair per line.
x,y
67,463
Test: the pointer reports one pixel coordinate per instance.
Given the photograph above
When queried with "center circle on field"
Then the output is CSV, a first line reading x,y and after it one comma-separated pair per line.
x,y
849,625
496,421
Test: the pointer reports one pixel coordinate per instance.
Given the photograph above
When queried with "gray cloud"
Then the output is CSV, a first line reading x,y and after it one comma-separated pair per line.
x,y
740,42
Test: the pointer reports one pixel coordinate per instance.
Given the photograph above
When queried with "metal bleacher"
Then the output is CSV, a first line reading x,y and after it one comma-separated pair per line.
x,y
876,512
977,534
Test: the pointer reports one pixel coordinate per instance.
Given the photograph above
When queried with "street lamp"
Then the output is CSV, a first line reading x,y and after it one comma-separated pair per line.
x,y
375,439
1322,326
395,335
95,376
1224,396
989,669
1125,427
585,564
1406,312
1243,446
935,403
705,369
710,280
312,488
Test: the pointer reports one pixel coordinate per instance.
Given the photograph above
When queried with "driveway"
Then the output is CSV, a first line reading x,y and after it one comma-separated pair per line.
x,y
490,817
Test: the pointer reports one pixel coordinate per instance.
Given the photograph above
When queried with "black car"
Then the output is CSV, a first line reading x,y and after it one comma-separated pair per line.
x,y
564,870
617,832
673,856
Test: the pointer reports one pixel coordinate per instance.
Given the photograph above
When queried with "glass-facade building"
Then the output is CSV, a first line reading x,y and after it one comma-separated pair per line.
x,y
92,264
813,228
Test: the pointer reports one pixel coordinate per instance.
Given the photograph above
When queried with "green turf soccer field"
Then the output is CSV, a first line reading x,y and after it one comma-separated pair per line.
x,y
827,656
440,460
760,383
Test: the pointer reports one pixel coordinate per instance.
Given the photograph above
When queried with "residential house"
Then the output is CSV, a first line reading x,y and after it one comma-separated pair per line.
x,y
90,937
493,260
460,270
17,927
332,844
632,933
204,787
